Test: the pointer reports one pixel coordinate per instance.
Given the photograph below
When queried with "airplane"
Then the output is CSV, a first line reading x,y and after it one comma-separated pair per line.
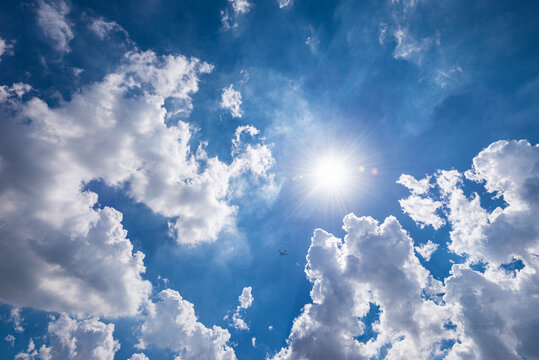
x,y
281,253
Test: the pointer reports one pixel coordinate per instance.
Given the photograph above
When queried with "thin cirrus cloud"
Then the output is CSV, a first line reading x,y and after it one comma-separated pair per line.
x,y
485,315
107,133
102,28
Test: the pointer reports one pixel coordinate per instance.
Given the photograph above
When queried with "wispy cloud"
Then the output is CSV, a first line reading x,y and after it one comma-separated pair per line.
x,y
52,19
230,15
284,3
5,47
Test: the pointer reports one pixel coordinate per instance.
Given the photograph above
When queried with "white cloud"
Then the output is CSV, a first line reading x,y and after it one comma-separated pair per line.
x,y
138,356
284,3
231,100
447,76
171,324
426,250
417,187
383,33
253,341
349,275
312,42
16,318
10,339
52,19
63,253
32,353
5,48
17,90
408,47
240,6
88,339
102,27
488,315
422,210
236,8
246,300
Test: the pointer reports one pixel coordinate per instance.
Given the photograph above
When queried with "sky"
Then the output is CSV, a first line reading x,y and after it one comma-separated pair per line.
x,y
272,179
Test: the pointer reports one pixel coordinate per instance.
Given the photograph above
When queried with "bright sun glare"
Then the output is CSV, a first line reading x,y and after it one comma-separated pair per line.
x,y
330,173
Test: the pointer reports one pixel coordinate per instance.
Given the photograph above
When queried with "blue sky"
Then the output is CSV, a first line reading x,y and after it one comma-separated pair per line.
x,y
155,156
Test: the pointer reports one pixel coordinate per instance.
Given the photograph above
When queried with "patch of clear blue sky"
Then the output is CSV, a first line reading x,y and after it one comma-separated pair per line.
x,y
349,90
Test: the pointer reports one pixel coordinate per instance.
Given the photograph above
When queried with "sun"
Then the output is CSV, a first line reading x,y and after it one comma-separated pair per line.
x,y
330,173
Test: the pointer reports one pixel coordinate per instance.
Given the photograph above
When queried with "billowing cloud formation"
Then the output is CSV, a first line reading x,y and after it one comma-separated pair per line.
x,y
231,100
52,19
61,252
171,323
477,315
374,264
77,340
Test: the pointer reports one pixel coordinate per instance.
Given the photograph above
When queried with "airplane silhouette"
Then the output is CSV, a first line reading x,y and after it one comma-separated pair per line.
x,y
281,253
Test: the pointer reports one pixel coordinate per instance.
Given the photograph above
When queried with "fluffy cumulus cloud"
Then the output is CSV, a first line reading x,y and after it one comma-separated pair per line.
x,y
246,300
231,100
61,250
75,339
138,356
171,324
475,315
421,208
347,277
52,19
